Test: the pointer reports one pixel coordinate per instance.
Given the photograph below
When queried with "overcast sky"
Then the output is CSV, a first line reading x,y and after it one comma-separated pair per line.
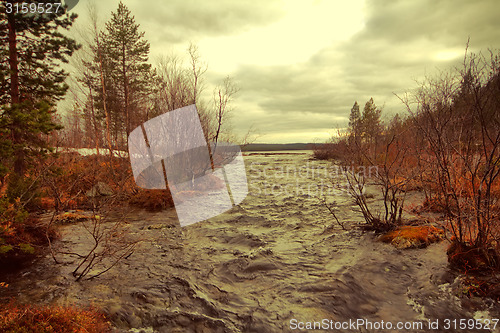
x,y
300,65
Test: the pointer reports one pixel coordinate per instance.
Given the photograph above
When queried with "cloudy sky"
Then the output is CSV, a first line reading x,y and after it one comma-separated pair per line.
x,y
300,65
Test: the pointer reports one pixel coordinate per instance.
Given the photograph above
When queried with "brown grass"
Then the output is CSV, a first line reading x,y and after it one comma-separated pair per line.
x,y
53,319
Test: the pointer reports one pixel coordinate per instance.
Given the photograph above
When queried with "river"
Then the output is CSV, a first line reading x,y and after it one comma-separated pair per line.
x,y
276,262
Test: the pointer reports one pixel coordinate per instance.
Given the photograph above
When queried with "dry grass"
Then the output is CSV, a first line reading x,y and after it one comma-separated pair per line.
x,y
53,319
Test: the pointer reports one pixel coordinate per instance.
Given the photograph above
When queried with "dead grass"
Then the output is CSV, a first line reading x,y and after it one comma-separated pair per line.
x,y
53,319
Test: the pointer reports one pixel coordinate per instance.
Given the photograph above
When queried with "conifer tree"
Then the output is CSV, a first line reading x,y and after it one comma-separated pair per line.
x,y
371,121
354,120
127,55
32,48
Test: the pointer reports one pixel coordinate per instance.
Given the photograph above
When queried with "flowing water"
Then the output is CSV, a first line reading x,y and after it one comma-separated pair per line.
x,y
272,264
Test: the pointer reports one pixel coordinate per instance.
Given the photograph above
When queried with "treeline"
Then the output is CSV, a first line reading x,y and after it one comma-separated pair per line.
x,y
365,126
118,89
277,146
446,145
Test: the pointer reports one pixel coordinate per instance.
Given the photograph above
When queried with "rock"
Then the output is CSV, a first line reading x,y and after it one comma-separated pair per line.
x,y
142,330
159,226
100,189
70,217
184,321
405,243
408,237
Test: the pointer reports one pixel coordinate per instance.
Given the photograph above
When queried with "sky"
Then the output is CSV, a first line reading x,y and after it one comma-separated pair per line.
x,y
300,65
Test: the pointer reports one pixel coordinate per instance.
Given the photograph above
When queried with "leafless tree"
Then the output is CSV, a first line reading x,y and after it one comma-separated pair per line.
x,y
110,244
383,167
459,115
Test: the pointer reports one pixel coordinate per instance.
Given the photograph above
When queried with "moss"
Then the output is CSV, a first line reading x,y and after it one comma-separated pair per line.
x,y
27,248
20,233
413,236
5,248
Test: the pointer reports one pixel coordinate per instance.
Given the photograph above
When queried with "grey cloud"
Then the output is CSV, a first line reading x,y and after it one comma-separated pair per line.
x,y
285,88
180,20
397,45
293,122
448,21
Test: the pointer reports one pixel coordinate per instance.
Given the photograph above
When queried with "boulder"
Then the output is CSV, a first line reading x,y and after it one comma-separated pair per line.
x,y
100,189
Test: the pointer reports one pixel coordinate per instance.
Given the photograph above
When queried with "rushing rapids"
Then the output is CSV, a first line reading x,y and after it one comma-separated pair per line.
x,y
275,263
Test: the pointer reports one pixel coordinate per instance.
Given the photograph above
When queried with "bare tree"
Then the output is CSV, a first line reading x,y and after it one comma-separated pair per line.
x,y
376,156
459,115
198,69
223,96
110,244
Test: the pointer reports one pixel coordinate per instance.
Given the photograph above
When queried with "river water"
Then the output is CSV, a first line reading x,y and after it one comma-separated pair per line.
x,y
276,262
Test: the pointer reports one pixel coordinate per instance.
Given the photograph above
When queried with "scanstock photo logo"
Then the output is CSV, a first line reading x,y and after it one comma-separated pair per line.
x,y
171,151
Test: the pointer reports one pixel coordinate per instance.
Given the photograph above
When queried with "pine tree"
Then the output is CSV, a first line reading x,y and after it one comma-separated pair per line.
x,y
370,120
354,120
127,55
31,81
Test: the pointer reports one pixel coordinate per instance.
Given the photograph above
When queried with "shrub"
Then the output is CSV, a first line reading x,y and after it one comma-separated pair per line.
x,y
433,204
73,176
153,200
457,116
20,233
24,189
468,258
328,151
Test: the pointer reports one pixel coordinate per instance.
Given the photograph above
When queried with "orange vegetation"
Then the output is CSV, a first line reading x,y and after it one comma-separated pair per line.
x,y
69,217
152,200
76,176
413,236
20,233
433,204
53,319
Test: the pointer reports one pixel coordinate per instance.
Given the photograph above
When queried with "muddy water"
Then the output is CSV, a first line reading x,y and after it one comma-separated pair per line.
x,y
276,260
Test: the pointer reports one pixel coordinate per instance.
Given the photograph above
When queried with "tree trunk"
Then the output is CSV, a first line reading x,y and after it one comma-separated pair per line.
x,y
14,94
125,92
103,85
13,62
